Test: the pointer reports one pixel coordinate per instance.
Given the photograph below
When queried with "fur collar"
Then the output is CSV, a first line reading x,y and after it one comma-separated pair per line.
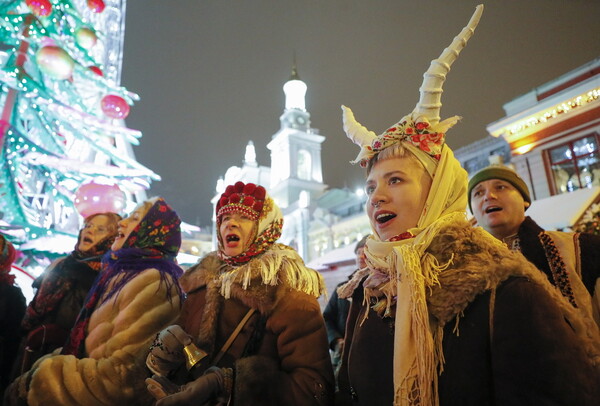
x,y
256,283
478,263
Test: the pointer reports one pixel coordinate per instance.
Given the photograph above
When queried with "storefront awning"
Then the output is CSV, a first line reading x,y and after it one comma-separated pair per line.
x,y
562,211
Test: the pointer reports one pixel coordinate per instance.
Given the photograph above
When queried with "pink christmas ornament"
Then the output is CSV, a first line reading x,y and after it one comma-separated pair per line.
x,y
55,62
114,106
85,37
97,6
94,197
40,8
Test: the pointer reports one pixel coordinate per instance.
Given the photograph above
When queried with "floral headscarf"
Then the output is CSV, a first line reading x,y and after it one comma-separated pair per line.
x,y
153,243
7,257
253,201
78,265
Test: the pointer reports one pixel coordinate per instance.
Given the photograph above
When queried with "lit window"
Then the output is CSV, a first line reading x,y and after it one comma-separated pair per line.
x,y
576,164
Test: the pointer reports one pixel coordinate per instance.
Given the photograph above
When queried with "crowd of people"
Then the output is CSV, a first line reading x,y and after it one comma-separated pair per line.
x,y
440,310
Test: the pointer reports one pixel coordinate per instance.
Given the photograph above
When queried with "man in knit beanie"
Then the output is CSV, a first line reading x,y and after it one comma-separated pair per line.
x,y
498,198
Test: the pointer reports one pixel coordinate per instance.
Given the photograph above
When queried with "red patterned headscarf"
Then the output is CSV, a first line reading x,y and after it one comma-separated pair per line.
x,y
253,201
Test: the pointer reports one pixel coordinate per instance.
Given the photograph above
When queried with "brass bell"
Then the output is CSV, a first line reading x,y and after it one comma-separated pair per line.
x,y
193,355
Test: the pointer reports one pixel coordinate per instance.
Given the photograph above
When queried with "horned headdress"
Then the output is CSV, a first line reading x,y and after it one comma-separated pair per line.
x,y
422,128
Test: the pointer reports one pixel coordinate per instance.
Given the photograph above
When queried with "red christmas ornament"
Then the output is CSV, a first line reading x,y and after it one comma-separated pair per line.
x,y
97,6
96,70
40,8
114,106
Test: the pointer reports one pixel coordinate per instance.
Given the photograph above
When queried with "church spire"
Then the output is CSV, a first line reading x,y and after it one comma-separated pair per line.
x,y
295,90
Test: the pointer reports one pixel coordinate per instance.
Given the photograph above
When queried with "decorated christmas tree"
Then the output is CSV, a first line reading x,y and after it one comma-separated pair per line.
x,y
65,150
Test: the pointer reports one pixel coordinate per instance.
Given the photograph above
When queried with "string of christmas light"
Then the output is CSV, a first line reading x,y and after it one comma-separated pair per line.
x,y
556,111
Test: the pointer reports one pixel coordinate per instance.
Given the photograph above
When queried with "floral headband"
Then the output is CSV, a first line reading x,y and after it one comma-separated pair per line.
x,y
422,128
246,198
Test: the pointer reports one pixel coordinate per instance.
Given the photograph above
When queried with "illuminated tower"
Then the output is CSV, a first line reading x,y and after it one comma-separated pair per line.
x,y
295,150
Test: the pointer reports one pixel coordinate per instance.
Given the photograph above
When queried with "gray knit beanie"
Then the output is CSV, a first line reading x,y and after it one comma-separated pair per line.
x,y
499,172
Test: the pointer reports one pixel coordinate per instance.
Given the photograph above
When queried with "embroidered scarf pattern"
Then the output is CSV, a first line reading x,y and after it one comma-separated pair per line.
x,y
59,280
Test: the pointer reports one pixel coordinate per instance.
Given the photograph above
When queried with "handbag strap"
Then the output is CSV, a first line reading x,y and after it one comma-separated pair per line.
x,y
233,336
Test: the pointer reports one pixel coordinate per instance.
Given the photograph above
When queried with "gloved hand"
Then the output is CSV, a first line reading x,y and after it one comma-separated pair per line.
x,y
16,393
166,352
215,383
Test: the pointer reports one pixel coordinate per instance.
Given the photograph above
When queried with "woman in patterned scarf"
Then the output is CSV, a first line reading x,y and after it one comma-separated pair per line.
x,y
445,314
61,290
280,356
135,296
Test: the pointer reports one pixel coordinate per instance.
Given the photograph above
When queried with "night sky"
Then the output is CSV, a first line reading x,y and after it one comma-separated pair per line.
x,y
210,74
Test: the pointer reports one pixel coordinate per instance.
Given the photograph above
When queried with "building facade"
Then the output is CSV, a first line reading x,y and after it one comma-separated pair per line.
x,y
553,133
551,137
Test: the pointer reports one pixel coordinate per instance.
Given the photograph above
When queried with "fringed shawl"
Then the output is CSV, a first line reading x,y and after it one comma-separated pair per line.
x,y
280,264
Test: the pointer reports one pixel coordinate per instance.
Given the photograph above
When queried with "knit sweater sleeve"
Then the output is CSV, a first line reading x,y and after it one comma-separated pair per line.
x,y
119,334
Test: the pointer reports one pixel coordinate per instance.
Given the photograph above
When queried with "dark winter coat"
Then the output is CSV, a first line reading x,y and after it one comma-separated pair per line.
x,y
510,345
280,357
51,326
12,308
335,315
579,253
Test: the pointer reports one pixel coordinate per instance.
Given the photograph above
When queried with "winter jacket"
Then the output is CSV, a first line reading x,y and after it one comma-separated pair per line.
x,y
505,339
49,330
280,357
579,280
119,333
335,315
12,308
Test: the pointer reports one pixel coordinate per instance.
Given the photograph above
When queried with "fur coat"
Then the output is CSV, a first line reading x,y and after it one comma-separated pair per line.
x,y
281,355
119,334
506,339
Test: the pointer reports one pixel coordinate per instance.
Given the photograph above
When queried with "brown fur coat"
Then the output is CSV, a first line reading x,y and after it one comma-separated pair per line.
x,y
281,355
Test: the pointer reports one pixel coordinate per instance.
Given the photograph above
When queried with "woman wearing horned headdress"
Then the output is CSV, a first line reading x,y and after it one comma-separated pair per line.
x,y
445,314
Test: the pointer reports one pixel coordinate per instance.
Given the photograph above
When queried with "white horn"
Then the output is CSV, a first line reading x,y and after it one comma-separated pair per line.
x,y
354,130
431,90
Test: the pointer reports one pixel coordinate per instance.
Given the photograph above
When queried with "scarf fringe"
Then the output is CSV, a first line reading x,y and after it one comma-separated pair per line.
x,y
277,265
